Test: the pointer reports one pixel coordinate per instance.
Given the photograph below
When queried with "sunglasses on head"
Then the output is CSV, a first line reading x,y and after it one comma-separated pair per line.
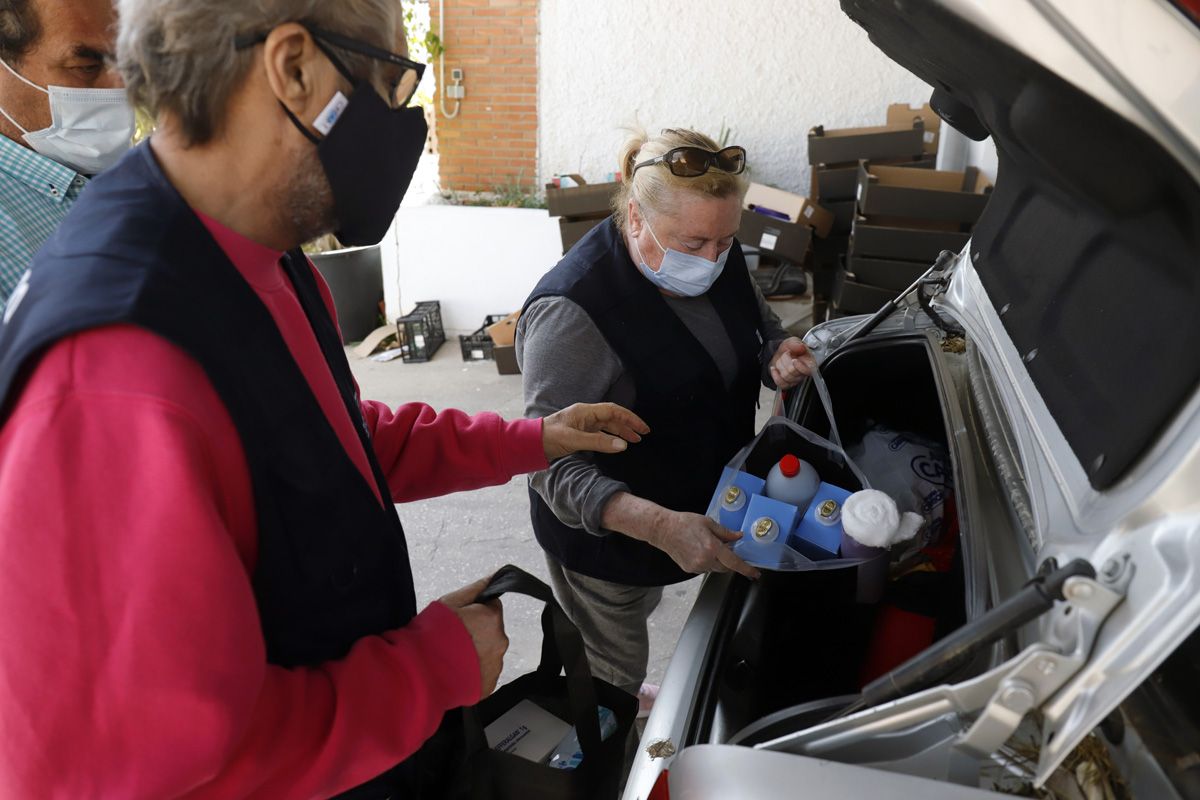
x,y
692,162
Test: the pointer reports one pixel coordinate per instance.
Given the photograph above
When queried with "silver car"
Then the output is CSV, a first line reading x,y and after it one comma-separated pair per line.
x,y
1057,359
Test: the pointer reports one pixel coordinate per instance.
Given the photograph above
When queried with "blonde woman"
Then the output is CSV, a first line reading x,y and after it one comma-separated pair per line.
x,y
653,309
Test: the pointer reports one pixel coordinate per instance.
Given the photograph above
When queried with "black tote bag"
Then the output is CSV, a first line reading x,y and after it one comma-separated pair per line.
x,y
457,764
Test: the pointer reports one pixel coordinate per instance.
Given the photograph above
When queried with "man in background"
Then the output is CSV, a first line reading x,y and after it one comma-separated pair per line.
x,y
53,139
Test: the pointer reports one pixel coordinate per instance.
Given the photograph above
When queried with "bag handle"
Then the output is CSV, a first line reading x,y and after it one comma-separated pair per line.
x,y
562,650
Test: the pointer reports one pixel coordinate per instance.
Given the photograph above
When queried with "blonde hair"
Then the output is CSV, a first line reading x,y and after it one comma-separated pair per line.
x,y
656,188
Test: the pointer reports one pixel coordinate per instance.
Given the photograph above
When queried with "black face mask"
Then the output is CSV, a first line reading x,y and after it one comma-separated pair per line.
x,y
369,158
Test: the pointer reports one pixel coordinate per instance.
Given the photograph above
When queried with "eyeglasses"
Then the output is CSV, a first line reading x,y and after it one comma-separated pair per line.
x,y
400,89
692,162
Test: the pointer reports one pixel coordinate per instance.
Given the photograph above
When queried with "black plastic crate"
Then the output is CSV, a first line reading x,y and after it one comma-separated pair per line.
x,y
478,346
421,332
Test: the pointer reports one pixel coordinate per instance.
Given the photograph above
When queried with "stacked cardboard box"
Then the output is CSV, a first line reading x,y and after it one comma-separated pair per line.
x,y
781,223
580,208
504,335
904,218
909,138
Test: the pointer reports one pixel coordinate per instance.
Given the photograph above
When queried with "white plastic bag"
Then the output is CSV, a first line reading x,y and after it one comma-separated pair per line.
x,y
824,454
912,470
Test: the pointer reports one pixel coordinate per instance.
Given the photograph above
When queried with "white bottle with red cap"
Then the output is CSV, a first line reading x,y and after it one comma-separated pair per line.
x,y
793,481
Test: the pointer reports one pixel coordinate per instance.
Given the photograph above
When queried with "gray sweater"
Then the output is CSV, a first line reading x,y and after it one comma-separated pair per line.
x,y
564,359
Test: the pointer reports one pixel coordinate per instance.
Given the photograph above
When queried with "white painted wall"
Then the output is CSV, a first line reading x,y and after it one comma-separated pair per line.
x,y
476,261
956,151
769,69
983,155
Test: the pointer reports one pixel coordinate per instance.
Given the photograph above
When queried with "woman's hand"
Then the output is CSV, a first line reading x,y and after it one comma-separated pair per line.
x,y
693,541
791,363
598,427
698,544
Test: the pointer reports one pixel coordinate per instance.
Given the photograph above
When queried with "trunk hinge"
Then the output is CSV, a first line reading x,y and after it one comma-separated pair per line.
x,y
982,713
1038,672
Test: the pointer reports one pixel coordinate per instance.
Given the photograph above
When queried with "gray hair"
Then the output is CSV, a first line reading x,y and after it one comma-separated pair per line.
x,y
19,29
178,56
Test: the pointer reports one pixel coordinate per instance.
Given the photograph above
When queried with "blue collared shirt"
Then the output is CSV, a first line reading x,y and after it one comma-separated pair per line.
x,y
35,194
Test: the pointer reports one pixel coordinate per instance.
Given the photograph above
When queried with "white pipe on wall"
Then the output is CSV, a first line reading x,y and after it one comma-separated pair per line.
x,y
442,64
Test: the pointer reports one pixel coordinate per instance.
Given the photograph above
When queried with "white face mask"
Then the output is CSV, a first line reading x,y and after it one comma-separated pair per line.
x,y
681,273
89,128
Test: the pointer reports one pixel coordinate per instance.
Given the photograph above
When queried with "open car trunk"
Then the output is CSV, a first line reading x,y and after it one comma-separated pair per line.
x,y
1071,426
800,639
1087,247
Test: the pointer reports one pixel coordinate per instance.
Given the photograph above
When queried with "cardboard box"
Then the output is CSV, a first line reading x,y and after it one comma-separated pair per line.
x,y
886,273
840,181
757,533
913,223
851,144
586,201
903,244
857,298
817,539
732,496
903,114
786,240
504,332
824,282
843,215
526,730
927,194
506,359
574,230
829,254
799,209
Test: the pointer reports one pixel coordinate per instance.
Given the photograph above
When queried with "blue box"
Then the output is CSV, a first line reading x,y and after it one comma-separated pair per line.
x,y
760,507
730,510
770,551
819,539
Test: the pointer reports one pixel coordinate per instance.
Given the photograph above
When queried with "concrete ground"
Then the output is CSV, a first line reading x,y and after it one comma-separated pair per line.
x,y
459,538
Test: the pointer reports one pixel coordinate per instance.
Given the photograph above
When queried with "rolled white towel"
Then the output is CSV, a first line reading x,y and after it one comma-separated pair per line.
x,y
910,525
872,519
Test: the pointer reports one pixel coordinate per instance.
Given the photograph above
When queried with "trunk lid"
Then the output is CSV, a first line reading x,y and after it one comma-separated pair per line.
x,y
1081,288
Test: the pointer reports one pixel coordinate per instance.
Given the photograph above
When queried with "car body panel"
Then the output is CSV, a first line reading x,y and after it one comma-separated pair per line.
x,y
1110,49
718,772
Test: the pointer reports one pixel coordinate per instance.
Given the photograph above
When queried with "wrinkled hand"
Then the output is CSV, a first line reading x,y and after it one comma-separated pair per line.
x,y
791,363
598,427
485,623
698,544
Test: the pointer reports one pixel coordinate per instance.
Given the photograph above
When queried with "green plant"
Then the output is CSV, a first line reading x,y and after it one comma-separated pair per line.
x,y
726,134
423,44
511,194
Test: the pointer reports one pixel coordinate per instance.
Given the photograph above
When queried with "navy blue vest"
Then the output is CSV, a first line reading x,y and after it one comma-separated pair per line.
x,y
696,423
332,560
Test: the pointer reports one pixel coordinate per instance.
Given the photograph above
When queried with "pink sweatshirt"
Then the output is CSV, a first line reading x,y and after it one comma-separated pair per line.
x,y
132,663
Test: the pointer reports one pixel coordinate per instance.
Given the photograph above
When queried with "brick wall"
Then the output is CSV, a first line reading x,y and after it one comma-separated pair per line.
x,y
493,140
